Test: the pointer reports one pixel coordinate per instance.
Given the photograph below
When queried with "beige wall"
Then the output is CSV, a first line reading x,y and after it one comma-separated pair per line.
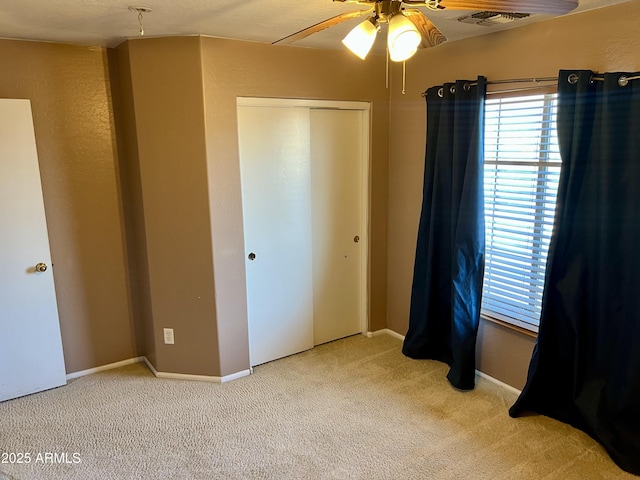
x,y
602,40
233,69
179,152
69,89
133,209
165,153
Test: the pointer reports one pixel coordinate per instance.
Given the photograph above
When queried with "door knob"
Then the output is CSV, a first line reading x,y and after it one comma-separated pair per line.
x,y
252,256
41,267
356,239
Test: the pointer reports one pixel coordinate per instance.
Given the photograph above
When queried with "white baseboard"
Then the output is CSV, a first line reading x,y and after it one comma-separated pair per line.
x,y
235,376
178,376
387,331
102,368
498,382
197,378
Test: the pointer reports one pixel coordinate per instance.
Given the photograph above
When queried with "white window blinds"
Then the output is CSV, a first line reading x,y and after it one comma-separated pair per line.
x,y
522,169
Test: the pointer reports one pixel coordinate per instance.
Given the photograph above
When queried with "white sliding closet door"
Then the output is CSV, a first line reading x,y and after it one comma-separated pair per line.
x,y
303,172
276,198
336,183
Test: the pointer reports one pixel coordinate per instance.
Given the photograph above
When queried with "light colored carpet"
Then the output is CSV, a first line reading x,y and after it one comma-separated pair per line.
x,y
352,409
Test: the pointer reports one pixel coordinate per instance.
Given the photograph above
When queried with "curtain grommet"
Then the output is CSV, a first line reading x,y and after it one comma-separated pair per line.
x,y
441,92
623,81
573,78
467,87
452,89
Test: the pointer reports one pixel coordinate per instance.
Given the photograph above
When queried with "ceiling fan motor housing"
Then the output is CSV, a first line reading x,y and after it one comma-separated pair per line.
x,y
386,9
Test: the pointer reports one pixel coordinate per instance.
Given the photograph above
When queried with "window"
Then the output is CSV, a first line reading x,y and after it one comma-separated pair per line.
x,y
521,173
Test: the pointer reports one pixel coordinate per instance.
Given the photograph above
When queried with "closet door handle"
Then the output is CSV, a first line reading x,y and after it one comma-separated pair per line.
x,y
252,256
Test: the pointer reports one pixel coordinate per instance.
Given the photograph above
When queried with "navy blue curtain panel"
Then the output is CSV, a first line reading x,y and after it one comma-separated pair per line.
x,y
585,368
449,264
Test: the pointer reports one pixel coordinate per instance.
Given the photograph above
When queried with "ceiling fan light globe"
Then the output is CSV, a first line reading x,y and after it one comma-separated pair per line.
x,y
361,38
401,52
403,38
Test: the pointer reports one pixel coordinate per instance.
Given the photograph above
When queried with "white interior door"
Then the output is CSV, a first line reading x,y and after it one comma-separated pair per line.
x,y
31,356
276,197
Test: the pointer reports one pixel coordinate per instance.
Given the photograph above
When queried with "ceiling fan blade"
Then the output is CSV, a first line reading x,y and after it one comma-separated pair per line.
x,y
431,36
550,7
330,22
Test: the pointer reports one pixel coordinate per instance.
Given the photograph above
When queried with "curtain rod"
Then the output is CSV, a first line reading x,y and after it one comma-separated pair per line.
x,y
511,80
537,81
572,79
511,90
522,80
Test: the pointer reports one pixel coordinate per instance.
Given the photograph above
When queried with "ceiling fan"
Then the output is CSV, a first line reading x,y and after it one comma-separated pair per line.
x,y
409,29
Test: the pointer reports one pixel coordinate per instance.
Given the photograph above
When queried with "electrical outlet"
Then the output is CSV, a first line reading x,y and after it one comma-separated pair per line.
x,y
168,336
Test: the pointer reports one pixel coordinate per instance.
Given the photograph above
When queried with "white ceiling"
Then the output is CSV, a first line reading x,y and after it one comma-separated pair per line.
x,y
109,22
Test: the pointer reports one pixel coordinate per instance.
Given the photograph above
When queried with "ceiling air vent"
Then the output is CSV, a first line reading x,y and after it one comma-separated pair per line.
x,y
490,19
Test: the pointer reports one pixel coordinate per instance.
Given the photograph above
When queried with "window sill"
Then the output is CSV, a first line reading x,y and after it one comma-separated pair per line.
x,y
529,331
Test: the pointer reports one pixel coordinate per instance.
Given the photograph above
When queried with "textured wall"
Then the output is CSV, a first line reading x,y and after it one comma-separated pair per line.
x,y
169,184
132,206
69,90
602,40
232,69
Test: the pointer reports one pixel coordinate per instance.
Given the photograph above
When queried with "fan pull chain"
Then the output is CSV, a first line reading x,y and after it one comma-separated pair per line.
x,y
404,77
386,79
